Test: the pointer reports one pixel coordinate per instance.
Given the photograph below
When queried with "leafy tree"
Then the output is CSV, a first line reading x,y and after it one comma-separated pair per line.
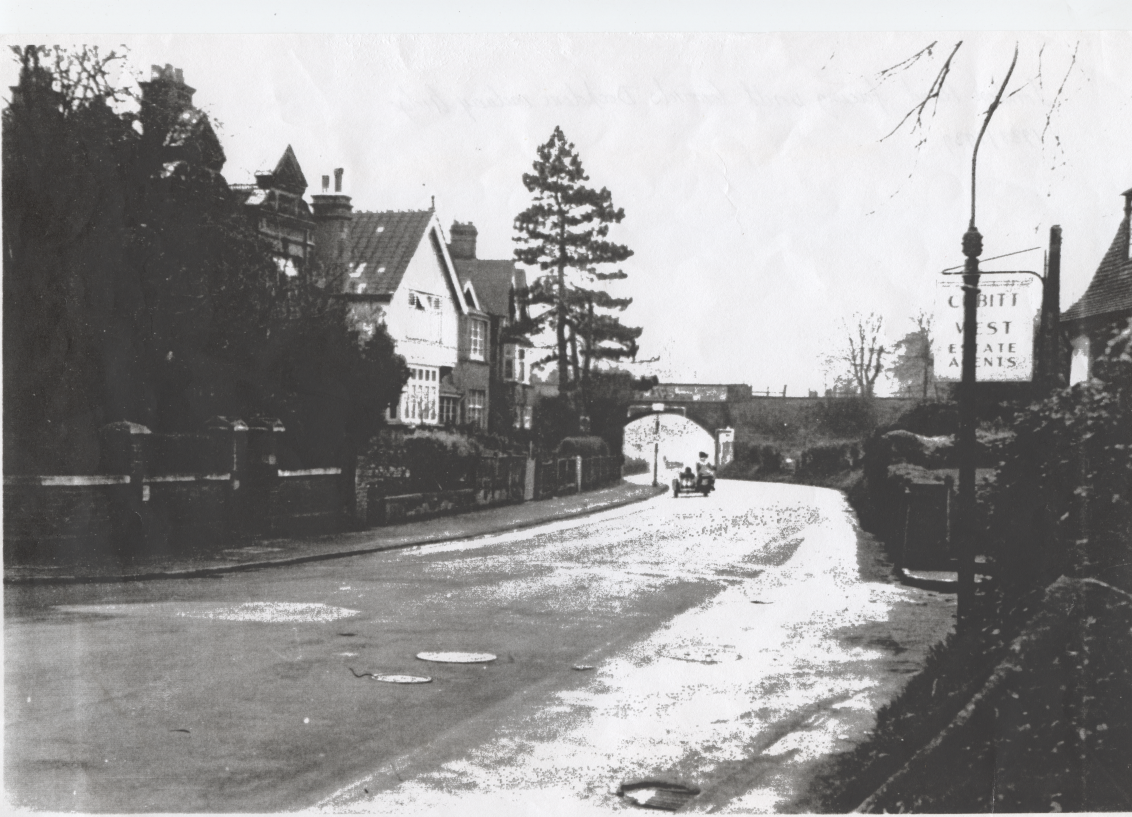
x,y
913,363
136,288
565,234
66,195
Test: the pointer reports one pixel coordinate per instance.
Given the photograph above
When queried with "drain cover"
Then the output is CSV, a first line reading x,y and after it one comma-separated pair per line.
x,y
657,794
403,679
456,657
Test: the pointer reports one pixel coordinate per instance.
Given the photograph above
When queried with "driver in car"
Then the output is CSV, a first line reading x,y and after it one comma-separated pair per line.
x,y
704,470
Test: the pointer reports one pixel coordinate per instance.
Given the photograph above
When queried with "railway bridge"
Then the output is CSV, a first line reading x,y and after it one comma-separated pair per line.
x,y
706,405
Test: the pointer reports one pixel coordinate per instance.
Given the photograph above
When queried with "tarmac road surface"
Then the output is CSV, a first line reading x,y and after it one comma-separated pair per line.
x,y
731,643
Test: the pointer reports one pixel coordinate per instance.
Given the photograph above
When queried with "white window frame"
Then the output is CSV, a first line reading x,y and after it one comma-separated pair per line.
x,y
477,339
454,404
475,408
515,364
420,399
430,328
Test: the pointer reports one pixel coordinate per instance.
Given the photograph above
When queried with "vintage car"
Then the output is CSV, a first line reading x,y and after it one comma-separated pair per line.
x,y
690,483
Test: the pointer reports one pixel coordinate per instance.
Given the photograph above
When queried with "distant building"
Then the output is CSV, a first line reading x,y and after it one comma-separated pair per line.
x,y
1105,308
181,134
491,361
276,206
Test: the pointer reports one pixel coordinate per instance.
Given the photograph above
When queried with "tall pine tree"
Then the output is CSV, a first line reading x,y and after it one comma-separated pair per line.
x,y
565,234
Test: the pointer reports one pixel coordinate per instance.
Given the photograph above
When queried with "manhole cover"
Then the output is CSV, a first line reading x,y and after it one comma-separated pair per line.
x,y
456,657
393,679
657,794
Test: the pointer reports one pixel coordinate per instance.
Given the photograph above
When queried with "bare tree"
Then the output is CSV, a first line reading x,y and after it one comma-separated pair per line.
x,y
859,363
917,120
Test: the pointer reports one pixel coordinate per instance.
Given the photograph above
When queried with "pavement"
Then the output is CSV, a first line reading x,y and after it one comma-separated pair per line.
x,y
238,555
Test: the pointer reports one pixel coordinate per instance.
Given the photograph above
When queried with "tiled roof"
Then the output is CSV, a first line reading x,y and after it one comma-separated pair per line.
x,y
1110,291
492,281
385,242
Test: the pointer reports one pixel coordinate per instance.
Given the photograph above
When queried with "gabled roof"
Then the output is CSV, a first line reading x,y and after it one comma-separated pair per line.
x,y
492,280
1110,291
381,245
288,175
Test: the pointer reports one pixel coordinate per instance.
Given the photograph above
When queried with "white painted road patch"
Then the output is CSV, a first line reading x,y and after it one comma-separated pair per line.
x,y
456,657
278,612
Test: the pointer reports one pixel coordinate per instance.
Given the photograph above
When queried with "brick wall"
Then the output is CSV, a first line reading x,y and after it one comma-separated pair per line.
x,y
64,516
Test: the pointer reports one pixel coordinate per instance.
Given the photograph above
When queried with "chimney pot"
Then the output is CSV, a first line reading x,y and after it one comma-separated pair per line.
x,y
463,244
338,179
325,184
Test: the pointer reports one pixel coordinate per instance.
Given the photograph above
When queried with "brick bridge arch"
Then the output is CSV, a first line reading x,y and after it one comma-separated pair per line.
x,y
706,406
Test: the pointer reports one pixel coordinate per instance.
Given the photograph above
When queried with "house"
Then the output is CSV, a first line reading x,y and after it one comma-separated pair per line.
x,y
494,292
1106,307
392,267
180,132
447,315
275,204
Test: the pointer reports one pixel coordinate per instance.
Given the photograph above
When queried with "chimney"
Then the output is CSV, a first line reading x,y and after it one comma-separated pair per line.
x,y
166,87
463,244
1049,374
1127,217
333,214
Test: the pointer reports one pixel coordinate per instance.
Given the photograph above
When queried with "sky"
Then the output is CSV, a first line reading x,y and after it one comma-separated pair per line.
x,y
763,203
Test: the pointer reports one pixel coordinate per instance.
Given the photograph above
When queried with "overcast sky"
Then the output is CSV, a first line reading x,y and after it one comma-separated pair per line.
x,y
761,202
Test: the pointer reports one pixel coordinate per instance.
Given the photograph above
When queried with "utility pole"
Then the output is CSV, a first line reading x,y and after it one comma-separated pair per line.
x,y
966,441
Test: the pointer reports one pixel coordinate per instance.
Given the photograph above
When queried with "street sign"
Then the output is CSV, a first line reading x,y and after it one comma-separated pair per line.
x,y
1008,307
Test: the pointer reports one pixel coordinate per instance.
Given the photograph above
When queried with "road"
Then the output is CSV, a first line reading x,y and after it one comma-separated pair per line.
x,y
734,641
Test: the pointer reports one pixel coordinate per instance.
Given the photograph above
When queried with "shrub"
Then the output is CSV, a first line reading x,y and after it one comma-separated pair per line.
x,y
635,465
583,447
752,461
829,458
930,418
1063,502
846,416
